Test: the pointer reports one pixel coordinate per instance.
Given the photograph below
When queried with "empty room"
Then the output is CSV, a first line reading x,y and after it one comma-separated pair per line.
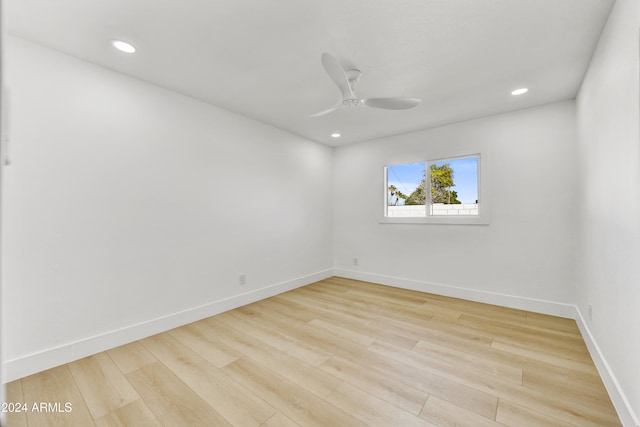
x,y
332,213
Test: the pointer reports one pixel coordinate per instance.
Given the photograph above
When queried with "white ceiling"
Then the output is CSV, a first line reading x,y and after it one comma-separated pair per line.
x,y
261,58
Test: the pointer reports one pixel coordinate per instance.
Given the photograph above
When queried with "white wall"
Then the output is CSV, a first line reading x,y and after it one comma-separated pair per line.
x,y
609,254
524,258
112,219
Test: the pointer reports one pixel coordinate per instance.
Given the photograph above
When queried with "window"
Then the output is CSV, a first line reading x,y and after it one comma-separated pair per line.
x,y
440,190
454,186
405,190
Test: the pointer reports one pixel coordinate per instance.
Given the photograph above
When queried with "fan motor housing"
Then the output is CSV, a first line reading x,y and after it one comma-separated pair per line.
x,y
352,102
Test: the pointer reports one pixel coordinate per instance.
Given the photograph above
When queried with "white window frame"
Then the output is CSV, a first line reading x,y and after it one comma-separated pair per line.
x,y
483,216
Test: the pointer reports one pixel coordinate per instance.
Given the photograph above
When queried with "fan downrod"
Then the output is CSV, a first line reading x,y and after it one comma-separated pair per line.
x,y
353,75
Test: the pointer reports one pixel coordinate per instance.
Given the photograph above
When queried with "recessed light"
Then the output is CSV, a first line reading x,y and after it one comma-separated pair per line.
x,y
335,135
520,91
123,46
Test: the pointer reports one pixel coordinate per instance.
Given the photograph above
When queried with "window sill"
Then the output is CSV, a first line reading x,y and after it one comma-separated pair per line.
x,y
442,220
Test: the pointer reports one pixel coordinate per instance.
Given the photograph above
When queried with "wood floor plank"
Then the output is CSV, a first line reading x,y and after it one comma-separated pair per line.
x,y
315,337
553,359
285,310
343,332
300,405
198,338
582,380
482,310
328,308
442,413
130,357
308,377
480,348
114,391
357,323
414,309
429,331
554,323
499,328
388,292
362,328
171,400
280,420
392,391
16,418
235,403
459,333
332,301
423,378
550,402
337,285
437,365
245,345
251,323
372,410
592,392
55,386
135,414
467,358
568,347
513,415
291,368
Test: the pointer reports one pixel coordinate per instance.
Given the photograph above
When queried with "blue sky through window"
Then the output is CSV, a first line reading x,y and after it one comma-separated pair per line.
x,y
405,178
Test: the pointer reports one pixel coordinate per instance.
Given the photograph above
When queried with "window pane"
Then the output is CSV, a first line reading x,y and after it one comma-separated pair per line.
x,y
406,196
454,186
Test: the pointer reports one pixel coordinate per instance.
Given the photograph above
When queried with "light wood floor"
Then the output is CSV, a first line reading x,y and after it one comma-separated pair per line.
x,y
336,353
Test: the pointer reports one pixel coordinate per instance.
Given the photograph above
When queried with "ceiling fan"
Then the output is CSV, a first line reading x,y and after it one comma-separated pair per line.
x,y
345,80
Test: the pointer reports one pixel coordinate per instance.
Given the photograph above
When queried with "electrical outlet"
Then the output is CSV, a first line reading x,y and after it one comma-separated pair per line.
x,y
590,312
242,279
355,261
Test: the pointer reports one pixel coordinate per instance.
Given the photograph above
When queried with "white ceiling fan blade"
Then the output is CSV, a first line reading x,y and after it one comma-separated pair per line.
x,y
336,73
324,112
392,103
328,110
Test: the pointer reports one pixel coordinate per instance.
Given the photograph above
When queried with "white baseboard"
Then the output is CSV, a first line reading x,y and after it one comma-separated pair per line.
x,y
522,303
618,397
52,357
